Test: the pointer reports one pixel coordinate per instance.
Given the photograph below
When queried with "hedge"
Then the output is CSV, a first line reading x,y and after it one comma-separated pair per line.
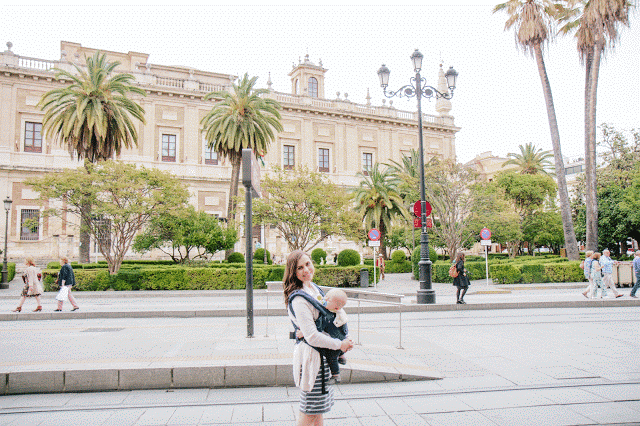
x,y
397,267
185,278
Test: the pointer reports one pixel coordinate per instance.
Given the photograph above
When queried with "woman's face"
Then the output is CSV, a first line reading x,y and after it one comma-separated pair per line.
x,y
304,269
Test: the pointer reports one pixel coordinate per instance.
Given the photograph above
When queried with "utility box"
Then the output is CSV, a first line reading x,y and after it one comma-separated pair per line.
x,y
623,274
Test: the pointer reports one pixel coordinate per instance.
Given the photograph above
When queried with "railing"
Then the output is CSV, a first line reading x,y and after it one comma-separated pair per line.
x,y
208,87
33,63
169,82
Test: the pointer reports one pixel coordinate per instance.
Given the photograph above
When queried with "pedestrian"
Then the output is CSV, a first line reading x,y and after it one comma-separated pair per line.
x,y
607,269
586,266
310,371
32,285
66,281
596,276
636,269
462,280
380,264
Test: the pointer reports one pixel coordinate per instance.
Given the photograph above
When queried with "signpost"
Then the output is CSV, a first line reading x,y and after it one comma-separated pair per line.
x,y
374,241
485,234
251,182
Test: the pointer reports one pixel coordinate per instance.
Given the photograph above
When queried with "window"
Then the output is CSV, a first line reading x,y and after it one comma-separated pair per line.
x,y
210,156
367,162
296,88
32,137
103,233
323,160
289,154
168,147
29,224
313,87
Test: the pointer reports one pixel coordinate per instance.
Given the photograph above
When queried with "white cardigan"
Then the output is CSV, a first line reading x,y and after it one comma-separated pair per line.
x,y
306,360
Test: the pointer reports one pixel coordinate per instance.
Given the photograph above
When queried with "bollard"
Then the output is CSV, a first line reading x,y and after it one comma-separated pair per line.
x,y
364,277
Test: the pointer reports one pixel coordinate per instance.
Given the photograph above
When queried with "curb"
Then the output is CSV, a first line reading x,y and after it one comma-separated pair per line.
x,y
228,376
44,316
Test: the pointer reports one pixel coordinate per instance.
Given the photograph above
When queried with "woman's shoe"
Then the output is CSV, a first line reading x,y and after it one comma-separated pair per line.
x,y
458,302
463,302
75,309
18,309
38,309
57,310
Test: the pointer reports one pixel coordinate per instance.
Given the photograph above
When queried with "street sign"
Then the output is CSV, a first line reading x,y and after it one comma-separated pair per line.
x,y
485,243
417,223
374,235
375,243
417,208
485,234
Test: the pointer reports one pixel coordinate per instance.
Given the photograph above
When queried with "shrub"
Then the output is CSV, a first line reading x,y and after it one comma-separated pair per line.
x,y
258,256
318,255
564,272
398,267
505,273
11,271
348,257
236,258
368,262
398,256
533,273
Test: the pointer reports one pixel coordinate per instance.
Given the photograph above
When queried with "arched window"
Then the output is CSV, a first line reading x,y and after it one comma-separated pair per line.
x,y
313,87
296,88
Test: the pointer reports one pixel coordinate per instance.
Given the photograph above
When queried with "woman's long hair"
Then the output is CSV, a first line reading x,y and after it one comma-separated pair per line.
x,y
290,282
29,261
460,257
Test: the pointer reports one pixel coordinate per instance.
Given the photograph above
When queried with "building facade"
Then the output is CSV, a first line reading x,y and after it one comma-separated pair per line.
x,y
332,136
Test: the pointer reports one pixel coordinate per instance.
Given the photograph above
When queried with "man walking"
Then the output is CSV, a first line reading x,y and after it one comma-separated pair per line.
x,y
607,271
636,270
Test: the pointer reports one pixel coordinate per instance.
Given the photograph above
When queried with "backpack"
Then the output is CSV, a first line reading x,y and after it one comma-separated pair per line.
x,y
453,272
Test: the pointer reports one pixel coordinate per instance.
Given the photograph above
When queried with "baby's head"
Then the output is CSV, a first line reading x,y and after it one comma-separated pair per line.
x,y
336,299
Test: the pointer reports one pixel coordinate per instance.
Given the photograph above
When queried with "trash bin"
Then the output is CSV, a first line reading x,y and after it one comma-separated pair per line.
x,y
364,277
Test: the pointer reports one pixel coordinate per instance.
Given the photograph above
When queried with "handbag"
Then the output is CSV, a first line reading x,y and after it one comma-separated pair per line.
x,y
453,272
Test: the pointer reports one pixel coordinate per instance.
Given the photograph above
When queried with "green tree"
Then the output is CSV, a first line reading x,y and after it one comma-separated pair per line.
x,y
243,119
532,20
378,202
530,160
544,229
92,116
123,197
185,234
306,208
596,29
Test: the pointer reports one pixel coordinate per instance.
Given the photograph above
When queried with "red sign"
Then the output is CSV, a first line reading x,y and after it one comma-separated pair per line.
x,y
374,235
485,234
417,208
417,223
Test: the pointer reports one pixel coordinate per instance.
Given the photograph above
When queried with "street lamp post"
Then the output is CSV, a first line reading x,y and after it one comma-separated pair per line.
x,y
7,208
417,87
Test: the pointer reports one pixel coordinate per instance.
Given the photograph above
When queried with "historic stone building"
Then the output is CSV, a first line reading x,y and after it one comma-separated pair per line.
x,y
332,136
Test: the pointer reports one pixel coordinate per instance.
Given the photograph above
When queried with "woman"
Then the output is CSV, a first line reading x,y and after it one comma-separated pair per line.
x,y
462,280
596,276
32,286
66,280
307,360
381,265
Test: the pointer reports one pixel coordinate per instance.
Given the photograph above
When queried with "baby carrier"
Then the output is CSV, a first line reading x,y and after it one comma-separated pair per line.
x,y
323,323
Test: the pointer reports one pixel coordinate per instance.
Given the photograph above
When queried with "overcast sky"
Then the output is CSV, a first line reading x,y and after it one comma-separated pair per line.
x,y
498,102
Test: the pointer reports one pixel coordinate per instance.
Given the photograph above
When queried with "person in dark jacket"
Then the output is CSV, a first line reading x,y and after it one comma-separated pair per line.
x,y
462,280
66,280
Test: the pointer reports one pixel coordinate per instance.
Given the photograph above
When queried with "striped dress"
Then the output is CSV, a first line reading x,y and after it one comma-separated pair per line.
x,y
314,401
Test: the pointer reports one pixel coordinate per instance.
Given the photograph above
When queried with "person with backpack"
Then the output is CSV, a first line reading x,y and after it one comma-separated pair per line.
x,y
461,278
310,370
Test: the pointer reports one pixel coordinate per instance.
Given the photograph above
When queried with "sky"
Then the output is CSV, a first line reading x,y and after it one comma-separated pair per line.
x,y
498,102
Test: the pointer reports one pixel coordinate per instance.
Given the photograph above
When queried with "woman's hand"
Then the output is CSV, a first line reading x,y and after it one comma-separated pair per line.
x,y
347,345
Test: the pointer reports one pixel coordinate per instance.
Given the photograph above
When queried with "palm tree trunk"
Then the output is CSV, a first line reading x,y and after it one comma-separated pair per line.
x,y
236,160
591,89
85,225
565,208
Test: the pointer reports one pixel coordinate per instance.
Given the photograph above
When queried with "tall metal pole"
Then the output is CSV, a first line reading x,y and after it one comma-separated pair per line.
x,y
425,293
5,272
249,259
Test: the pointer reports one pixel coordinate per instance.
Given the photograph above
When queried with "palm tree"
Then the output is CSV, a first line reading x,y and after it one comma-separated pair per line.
x,y
378,201
243,119
531,160
596,29
532,20
92,116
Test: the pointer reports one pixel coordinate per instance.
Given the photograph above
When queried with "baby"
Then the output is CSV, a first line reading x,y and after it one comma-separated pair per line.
x,y
334,300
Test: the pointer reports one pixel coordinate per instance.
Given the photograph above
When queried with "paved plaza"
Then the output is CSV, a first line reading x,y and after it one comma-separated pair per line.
x,y
490,362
